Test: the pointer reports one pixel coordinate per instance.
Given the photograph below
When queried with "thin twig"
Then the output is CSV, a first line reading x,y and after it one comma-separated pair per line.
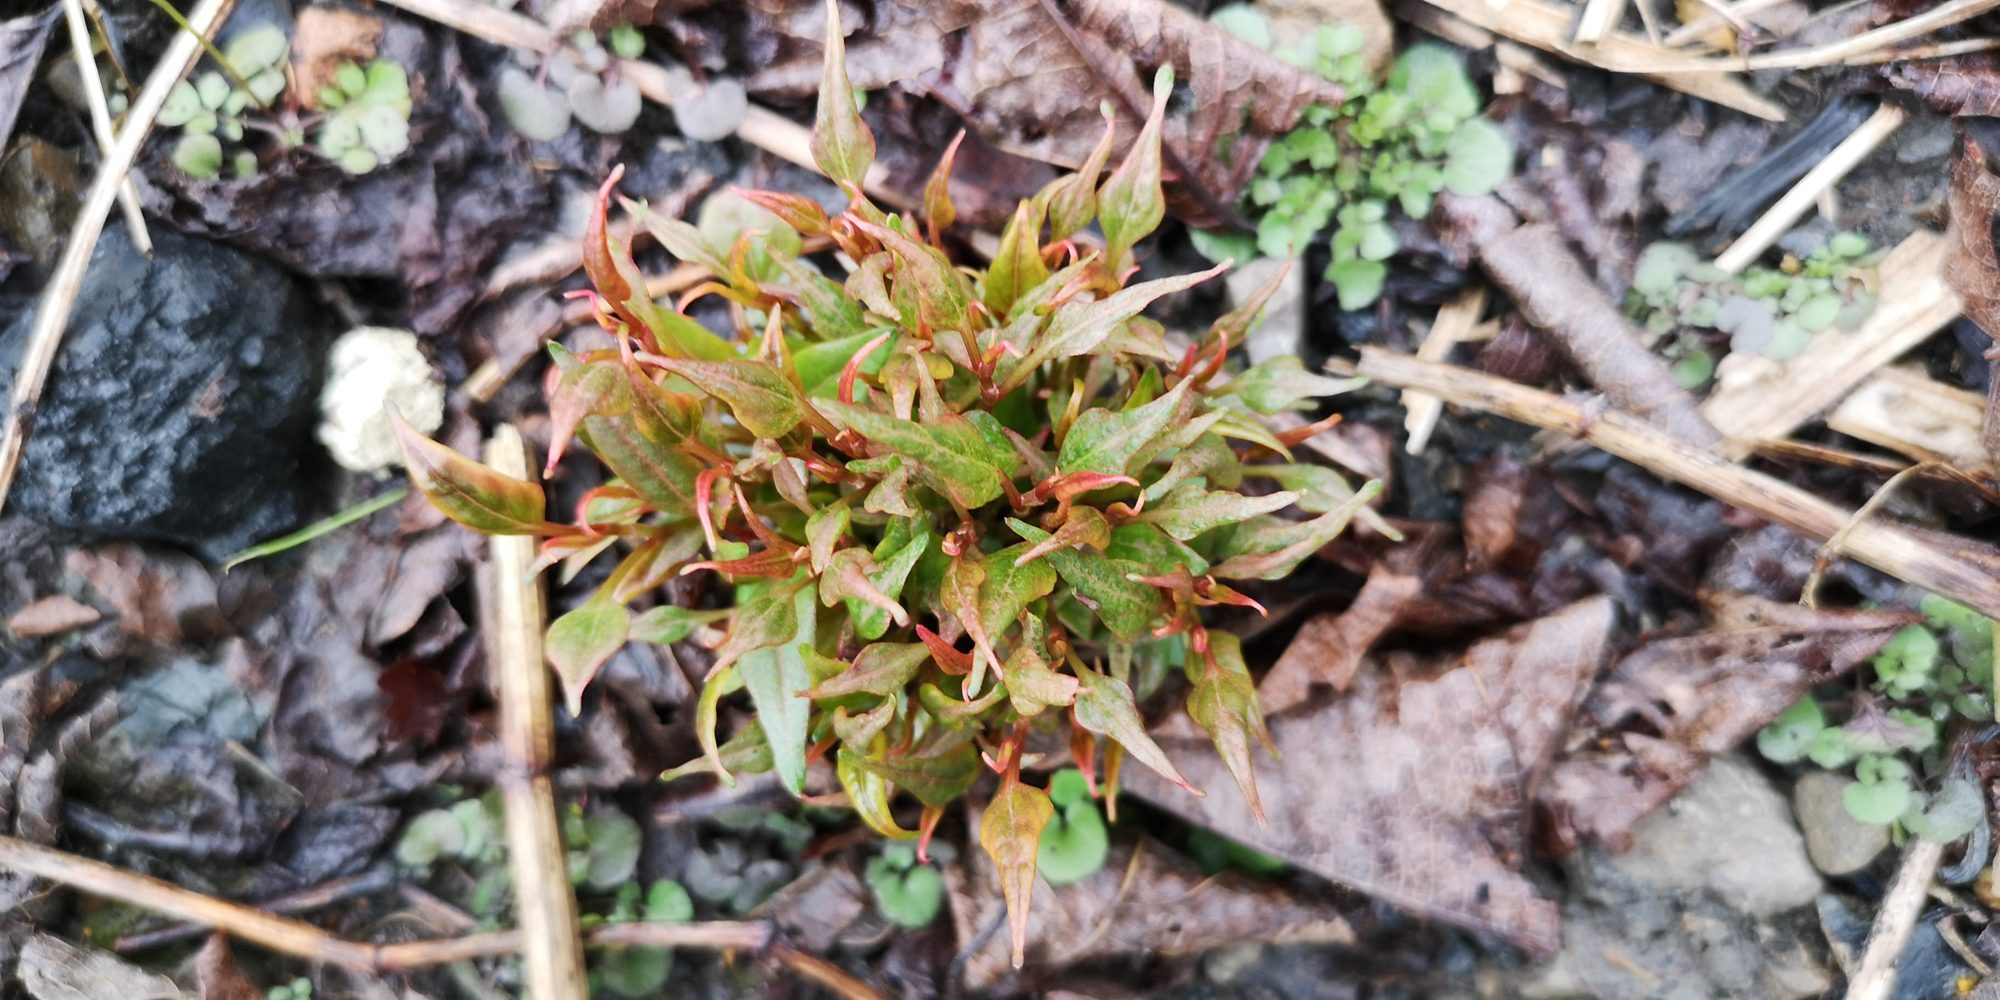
x,y
544,905
1846,50
1954,567
305,900
100,121
305,941
1454,321
1722,16
1780,217
1895,920
1809,593
52,314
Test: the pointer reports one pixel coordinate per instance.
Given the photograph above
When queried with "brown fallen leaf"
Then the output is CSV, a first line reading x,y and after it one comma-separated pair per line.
x,y
53,969
324,37
160,598
1972,268
216,976
1145,900
1415,788
1329,647
1673,702
1967,85
52,615
1030,75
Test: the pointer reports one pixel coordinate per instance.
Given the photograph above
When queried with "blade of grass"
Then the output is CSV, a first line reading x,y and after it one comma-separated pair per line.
x,y
316,529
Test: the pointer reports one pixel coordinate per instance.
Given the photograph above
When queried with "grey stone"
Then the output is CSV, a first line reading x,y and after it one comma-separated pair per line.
x,y
181,405
1729,833
1835,841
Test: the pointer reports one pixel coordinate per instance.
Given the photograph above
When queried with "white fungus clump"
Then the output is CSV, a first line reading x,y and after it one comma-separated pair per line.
x,y
372,369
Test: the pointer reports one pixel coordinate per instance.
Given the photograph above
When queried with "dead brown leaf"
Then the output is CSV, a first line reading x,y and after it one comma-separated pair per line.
x,y
52,615
161,599
424,570
216,976
323,38
1670,704
1972,269
1415,788
1030,75
53,969
1965,85
1145,900
1329,647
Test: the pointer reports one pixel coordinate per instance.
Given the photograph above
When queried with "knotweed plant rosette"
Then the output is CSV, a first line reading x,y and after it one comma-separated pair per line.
x,y
958,506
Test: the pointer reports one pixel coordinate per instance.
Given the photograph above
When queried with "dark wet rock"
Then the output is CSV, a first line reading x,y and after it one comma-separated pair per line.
x,y
181,405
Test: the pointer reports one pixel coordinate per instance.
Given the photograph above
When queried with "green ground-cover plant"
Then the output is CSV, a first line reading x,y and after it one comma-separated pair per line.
x,y
1771,311
1893,734
581,83
957,505
364,119
1391,147
602,849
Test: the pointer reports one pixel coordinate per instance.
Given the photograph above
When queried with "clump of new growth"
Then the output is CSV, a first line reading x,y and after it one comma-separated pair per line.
x,y
365,118
582,83
1925,678
1769,311
958,506
1391,147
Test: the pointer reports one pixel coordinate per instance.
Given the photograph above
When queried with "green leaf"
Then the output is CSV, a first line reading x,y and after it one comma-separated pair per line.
x,y
199,156
1477,158
908,893
826,528
664,476
1018,266
1952,813
871,622
1224,702
1072,847
1259,552
842,145
1877,802
633,971
1282,382
776,677
1104,705
615,842
580,642
1078,328
764,401
1105,441
1787,738
466,491
955,457
431,835
1358,282
1190,510
937,771
1032,685
669,624
324,526
1433,76
1131,203
1011,832
183,105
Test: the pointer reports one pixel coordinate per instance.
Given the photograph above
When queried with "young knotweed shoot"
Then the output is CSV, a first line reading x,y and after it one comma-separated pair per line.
x,y
958,507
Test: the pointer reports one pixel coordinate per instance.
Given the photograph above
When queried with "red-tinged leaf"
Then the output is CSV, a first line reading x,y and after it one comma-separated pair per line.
x,y
841,143
656,560
466,491
955,458
1085,526
580,642
1282,382
1078,328
770,563
952,711
850,574
937,770
1189,511
747,752
1272,553
870,622
938,212
669,624
1072,200
660,473
1236,324
1106,441
882,668
600,388
1128,609
797,211
958,593
868,792
663,415
949,658
1104,705
922,272
1070,485
836,317
859,729
825,529
761,622
1032,685
1018,266
600,262
763,399
1224,702
1011,832
1131,204
682,239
